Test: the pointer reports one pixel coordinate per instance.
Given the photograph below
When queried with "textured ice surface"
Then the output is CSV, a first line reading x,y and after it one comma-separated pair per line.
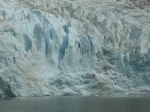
x,y
74,48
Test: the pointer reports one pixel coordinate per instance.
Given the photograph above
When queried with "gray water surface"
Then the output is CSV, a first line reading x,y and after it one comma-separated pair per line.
x,y
76,104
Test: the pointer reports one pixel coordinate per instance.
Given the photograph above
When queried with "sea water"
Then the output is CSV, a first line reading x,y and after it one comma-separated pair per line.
x,y
76,104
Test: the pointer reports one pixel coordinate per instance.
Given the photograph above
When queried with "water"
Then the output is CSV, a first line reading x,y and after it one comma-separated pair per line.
x,y
76,104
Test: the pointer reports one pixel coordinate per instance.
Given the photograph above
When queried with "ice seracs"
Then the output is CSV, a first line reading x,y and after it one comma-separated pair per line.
x,y
73,48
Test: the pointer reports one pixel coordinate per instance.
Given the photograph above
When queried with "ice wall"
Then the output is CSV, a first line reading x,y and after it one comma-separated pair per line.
x,y
73,48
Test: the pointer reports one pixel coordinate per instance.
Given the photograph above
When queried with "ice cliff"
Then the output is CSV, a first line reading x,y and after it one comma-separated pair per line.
x,y
76,47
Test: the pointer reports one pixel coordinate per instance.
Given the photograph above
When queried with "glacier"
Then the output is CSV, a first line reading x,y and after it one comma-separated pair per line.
x,y
73,47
